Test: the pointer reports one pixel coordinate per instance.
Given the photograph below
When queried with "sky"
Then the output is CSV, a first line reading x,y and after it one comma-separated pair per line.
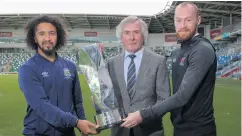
x,y
109,7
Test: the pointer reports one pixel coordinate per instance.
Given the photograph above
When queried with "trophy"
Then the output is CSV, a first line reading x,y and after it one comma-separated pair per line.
x,y
92,65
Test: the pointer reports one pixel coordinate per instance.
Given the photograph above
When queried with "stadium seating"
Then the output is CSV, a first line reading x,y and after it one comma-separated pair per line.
x,y
228,62
4,58
18,60
69,56
111,51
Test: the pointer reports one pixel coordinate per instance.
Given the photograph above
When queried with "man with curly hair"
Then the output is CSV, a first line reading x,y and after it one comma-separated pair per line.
x,y
50,84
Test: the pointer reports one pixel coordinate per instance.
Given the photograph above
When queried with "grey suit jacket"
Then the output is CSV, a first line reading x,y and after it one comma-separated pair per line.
x,y
152,85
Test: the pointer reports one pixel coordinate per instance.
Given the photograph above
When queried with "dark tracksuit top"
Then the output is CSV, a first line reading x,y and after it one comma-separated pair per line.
x,y
53,95
193,78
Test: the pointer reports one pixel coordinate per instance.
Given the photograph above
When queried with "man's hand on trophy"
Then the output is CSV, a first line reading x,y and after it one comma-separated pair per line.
x,y
87,127
132,120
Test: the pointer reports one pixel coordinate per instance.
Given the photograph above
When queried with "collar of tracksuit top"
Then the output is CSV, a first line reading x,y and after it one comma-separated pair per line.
x,y
189,41
43,60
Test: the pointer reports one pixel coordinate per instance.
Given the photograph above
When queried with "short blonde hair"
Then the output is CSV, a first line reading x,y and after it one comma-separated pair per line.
x,y
184,4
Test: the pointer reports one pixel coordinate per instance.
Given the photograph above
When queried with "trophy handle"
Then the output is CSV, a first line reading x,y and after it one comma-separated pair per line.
x,y
96,107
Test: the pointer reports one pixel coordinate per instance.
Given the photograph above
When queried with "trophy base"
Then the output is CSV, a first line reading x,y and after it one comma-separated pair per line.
x,y
110,118
99,129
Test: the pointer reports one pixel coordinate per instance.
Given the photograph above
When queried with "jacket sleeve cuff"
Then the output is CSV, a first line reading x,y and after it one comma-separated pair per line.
x,y
146,114
73,121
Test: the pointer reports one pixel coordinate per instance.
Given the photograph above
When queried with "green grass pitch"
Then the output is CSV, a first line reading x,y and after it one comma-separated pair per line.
x,y
227,106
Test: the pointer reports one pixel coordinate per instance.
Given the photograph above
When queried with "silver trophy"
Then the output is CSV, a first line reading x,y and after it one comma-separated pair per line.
x,y
92,65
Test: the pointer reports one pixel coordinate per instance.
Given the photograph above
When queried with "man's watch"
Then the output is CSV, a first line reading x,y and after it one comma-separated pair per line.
x,y
77,122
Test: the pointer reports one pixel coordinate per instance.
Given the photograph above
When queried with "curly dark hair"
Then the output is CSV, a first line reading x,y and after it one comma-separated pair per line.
x,y
31,29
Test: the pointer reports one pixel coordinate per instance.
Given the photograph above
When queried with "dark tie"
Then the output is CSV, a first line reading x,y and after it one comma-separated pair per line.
x,y
131,77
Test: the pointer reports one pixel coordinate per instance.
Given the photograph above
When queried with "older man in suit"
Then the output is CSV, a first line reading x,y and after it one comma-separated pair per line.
x,y
140,77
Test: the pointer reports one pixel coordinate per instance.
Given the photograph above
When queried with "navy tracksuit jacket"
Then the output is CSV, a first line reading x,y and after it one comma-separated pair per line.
x,y
53,95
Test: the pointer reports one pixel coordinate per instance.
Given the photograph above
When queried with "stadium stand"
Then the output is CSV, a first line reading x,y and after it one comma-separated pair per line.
x,y
225,17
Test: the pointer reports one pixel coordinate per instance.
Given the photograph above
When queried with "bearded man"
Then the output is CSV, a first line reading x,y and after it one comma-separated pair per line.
x,y
193,79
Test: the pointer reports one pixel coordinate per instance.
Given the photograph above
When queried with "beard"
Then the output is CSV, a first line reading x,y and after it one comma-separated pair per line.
x,y
185,34
48,51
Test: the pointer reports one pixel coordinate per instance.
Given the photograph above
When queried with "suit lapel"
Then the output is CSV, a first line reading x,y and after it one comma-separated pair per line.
x,y
119,68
